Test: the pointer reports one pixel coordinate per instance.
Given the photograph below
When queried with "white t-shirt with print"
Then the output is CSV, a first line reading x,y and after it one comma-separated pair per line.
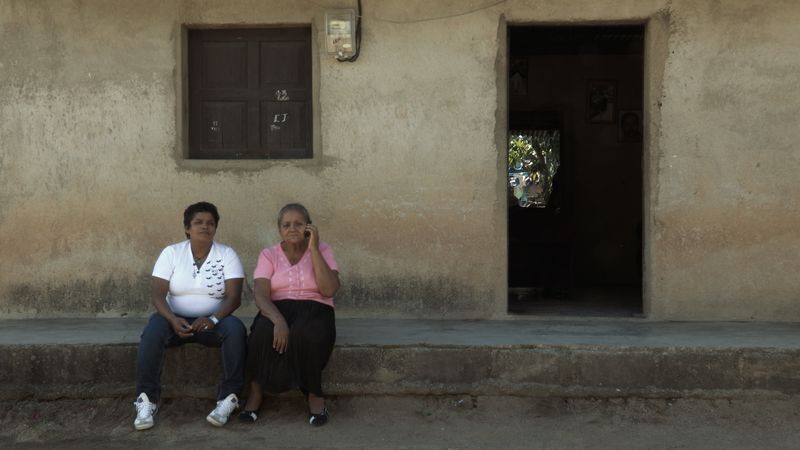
x,y
197,292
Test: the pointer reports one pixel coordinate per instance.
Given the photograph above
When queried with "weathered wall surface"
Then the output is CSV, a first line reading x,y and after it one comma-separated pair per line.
x,y
724,225
408,174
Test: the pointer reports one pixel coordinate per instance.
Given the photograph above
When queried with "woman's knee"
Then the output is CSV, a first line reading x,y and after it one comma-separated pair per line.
x,y
231,326
310,335
157,329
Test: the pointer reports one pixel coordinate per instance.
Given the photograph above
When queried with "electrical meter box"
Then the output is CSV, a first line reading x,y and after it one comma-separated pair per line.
x,y
340,31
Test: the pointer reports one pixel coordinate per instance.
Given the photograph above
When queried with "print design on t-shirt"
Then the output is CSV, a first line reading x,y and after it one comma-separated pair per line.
x,y
214,277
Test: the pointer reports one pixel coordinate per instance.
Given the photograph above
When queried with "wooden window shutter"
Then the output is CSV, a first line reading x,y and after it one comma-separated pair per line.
x,y
250,93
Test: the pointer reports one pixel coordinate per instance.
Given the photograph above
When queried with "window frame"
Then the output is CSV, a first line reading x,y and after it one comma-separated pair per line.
x,y
260,93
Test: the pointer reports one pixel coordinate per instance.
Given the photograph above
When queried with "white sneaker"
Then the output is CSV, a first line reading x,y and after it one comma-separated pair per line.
x,y
219,416
145,410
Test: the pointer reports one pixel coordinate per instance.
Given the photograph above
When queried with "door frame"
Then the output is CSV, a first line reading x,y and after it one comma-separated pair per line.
x,y
656,50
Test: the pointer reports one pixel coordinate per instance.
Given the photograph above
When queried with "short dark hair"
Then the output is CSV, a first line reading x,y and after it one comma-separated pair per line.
x,y
192,210
294,207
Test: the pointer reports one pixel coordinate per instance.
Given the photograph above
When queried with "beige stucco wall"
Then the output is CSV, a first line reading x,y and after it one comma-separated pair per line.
x,y
407,182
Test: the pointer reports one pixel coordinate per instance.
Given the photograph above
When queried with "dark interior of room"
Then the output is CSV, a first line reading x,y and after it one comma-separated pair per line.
x,y
580,254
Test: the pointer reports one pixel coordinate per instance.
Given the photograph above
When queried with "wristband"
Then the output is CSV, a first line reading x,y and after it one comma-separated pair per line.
x,y
213,319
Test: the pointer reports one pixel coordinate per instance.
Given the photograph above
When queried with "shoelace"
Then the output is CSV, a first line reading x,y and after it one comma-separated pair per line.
x,y
224,408
144,409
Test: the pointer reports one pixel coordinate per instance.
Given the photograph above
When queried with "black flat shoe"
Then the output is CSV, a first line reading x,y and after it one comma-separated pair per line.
x,y
318,420
248,416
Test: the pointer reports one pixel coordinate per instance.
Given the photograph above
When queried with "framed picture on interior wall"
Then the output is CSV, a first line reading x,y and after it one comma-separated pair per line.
x,y
518,77
630,125
601,101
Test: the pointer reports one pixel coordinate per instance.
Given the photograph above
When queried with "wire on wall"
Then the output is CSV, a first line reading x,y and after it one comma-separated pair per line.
x,y
358,37
429,19
424,19
359,15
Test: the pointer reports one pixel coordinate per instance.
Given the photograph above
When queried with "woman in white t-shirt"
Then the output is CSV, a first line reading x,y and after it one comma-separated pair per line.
x,y
196,286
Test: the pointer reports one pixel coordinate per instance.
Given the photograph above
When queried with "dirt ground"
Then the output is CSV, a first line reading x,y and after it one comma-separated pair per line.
x,y
416,422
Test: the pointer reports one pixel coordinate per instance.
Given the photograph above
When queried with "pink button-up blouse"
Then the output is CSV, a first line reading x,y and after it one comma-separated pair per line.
x,y
294,282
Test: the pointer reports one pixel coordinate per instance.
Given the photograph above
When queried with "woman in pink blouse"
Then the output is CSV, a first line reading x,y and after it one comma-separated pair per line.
x,y
292,336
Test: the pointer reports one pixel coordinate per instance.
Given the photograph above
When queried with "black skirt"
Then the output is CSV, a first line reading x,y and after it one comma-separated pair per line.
x,y
312,333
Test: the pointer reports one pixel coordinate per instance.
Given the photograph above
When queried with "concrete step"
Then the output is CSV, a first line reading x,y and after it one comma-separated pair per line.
x,y
95,358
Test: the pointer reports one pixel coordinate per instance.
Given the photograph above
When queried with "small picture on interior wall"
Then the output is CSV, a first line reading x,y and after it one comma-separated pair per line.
x,y
601,101
518,77
630,125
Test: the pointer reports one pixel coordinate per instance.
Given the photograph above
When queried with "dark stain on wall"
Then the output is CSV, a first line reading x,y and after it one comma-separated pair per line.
x,y
84,297
413,297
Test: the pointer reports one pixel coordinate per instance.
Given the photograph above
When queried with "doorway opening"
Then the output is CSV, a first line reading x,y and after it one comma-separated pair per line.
x,y
575,178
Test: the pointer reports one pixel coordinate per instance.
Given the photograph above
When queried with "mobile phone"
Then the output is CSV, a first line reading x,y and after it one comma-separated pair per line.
x,y
307,233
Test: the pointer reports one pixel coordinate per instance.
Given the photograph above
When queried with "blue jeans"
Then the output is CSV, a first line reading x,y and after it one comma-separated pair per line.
x,y
229,333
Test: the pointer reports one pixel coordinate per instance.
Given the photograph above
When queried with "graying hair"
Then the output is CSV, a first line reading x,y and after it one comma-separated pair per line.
x,y
294,207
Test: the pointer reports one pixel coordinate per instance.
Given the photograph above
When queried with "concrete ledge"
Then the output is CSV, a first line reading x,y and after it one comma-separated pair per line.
x,y
434,358
565,371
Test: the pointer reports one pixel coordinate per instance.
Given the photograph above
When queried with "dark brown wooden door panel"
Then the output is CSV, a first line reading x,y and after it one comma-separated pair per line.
x,y
224,125
224,65
282,125
250,93
282,64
